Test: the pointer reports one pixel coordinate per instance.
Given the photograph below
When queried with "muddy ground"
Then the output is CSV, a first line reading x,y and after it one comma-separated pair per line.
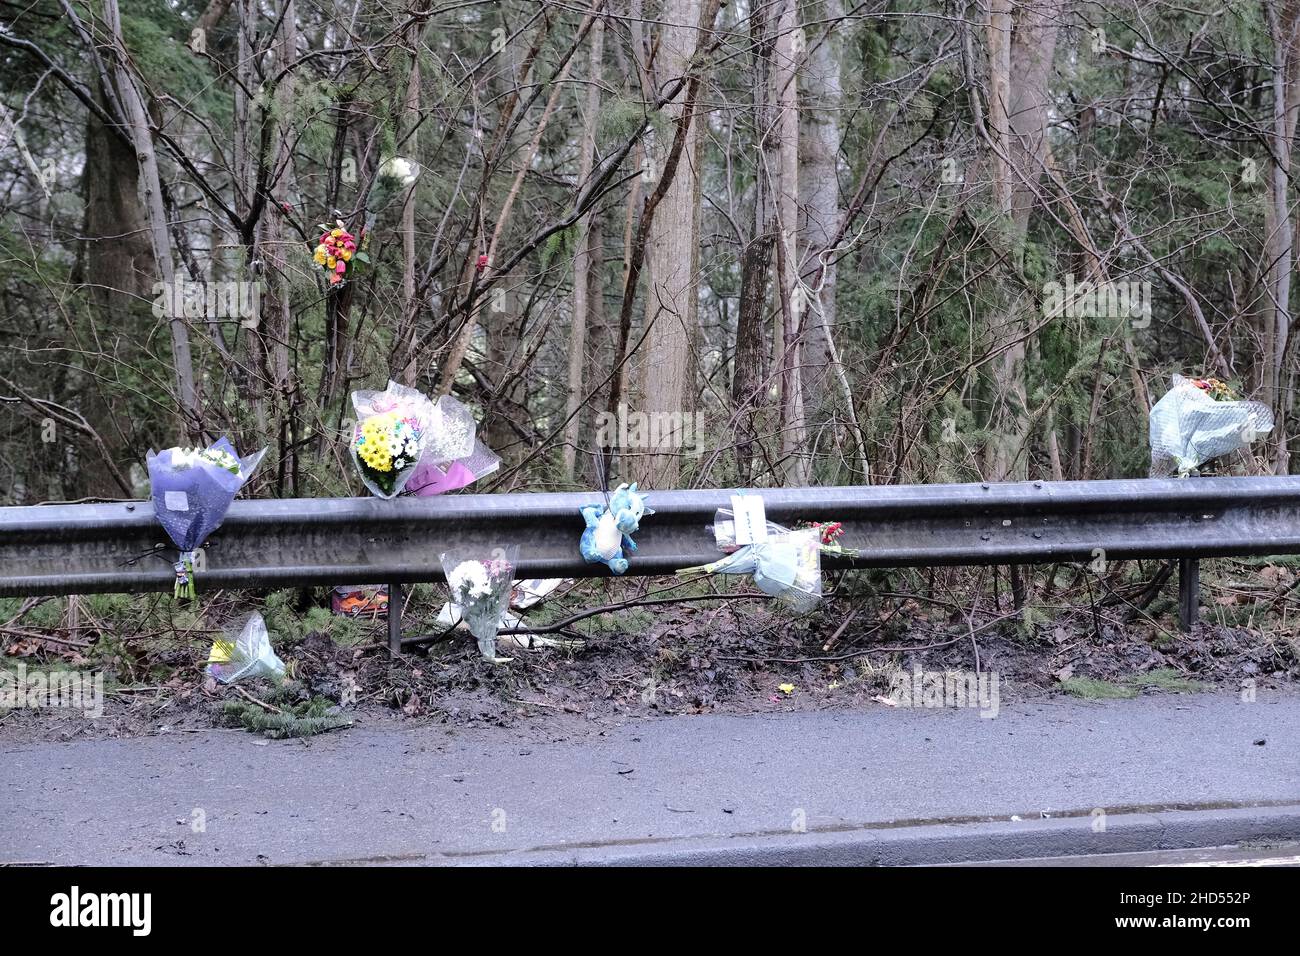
x,y
729,655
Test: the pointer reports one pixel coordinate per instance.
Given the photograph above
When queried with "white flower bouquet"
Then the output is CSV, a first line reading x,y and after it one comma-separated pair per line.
x,y
1200,419
480,587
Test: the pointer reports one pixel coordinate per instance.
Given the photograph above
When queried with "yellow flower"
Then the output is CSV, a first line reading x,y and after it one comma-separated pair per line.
x,y
320,255
336,233
786,689
345,255
373,446
331,262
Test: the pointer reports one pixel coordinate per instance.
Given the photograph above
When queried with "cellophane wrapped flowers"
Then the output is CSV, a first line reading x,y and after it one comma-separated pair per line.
x,y
192,488
786,566
390,437
454,457
1199,419
393,178
246,656
438,477
480,585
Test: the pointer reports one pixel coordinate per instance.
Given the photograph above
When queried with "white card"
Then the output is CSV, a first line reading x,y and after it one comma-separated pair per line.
x,y
751,519
176,501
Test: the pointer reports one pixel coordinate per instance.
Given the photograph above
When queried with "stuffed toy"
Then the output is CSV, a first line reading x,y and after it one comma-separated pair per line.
x,y
610,528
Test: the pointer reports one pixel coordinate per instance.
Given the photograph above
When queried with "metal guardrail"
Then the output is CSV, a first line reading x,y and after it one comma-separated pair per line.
x,y
120,547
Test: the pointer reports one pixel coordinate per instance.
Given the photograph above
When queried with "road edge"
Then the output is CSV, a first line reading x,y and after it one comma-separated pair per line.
x,y
937,844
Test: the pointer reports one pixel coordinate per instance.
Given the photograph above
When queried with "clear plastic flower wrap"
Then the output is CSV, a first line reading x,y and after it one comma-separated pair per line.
x,y
246,656
192,489
436,478
479,582
391,436
451,434
787,566
1189,426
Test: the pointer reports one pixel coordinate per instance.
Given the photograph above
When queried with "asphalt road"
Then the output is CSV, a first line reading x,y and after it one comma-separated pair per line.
x,y
884,785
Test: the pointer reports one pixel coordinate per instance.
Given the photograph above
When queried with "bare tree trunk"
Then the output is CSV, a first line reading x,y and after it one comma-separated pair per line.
x,y
1019,109
582,259
999,99
749,371
268,339
667,382
819,191
795,459
1279,238
407,373
120,267
141,134
1008,367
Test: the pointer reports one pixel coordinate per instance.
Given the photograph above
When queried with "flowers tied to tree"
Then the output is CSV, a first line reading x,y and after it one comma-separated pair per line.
x,y
337,252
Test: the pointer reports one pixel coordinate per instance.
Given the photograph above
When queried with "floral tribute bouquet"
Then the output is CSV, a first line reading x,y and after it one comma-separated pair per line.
x,y
480,591
1200,419
248,655
405,442
394,177
337,252
787,566
392,434
191,489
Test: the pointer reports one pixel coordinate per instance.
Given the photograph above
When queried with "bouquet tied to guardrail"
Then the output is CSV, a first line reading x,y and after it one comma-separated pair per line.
x,y
480,587
404,442
787,566
192,489
390,437
828,532
1200,419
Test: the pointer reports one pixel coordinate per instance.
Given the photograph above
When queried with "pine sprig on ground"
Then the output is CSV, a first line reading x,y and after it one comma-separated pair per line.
x,y
315,716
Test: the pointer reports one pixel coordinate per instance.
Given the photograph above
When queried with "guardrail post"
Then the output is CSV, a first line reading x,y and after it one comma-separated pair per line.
x,y
395,601
1189,592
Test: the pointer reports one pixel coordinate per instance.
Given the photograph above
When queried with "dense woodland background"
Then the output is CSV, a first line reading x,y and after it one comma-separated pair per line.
x,y
829,227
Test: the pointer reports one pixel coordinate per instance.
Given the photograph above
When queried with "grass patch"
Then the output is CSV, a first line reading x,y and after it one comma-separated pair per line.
x,y
1090,688
1166,678
1162,678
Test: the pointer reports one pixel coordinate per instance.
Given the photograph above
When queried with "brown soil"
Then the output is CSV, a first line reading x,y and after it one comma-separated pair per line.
x,y
732,657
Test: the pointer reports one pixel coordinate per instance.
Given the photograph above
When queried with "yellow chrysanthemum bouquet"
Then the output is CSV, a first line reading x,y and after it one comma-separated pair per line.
x,y
390,436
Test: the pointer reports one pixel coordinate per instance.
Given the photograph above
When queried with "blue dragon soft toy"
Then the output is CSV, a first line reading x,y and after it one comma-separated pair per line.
x,y
610,528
